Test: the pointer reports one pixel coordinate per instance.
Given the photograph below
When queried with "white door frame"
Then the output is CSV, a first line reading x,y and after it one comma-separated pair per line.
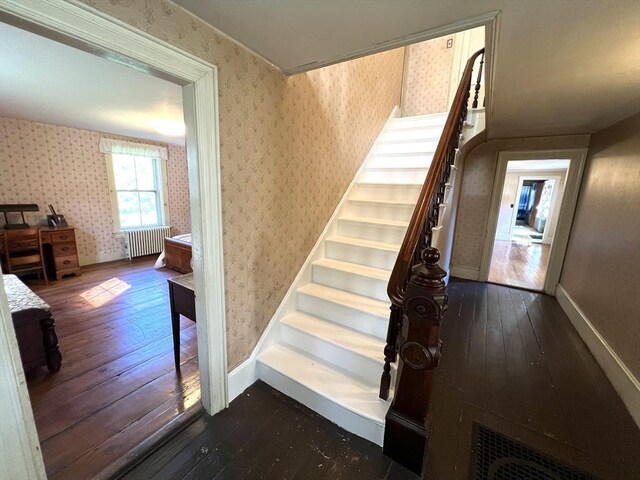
x,y
84,27
554,195
577,157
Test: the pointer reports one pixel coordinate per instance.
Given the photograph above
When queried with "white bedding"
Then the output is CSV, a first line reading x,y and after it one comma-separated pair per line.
x,y
185,237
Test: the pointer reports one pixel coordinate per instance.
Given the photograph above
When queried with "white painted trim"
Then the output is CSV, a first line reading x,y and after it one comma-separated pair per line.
x,y
20,455
624,382
94,31
486,20
462,271
242,377
577,157
271,334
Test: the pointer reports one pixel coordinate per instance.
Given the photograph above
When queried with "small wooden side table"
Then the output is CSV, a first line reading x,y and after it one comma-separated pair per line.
x,y
183,302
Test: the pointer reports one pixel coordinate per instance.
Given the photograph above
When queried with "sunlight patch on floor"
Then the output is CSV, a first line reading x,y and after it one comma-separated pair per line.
x,y
106,291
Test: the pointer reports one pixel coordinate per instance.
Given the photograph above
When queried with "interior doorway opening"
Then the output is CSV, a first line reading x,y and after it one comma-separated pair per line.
x,y
530,204
82,28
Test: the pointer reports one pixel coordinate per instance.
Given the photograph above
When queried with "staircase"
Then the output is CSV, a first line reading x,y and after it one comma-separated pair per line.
x,y
325,345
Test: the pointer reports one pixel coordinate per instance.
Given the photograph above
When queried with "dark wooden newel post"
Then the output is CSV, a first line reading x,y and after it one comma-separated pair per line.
x,y
425,301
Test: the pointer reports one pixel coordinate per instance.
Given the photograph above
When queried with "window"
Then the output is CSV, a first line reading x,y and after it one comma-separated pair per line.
x,y
137,190
137,179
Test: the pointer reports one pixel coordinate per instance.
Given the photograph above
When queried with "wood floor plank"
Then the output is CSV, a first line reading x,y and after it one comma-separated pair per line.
x,y
519,264
54,419
531,353
117,384
110,421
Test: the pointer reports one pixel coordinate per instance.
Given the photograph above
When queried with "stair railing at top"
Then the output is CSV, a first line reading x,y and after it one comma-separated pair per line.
x,y
418,295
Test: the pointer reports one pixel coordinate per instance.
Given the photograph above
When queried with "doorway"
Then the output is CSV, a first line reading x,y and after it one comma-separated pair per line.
x,y
86,30
529,207
530,217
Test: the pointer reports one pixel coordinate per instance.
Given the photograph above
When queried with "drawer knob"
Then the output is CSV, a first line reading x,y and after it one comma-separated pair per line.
x,y
63,237
67,262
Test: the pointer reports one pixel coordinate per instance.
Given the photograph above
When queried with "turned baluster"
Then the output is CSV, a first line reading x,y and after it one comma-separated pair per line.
x,y
390,350
477,92
425,301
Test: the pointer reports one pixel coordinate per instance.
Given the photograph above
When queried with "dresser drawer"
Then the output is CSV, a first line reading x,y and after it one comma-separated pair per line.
x,y
66,262
62,249
62,237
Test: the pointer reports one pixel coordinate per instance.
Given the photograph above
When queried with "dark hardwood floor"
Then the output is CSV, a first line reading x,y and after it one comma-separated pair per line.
x,y
511,361
266,435
117,385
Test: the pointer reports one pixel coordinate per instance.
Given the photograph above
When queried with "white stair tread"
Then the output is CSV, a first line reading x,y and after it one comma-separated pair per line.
x,y
427,153
359,242
354,268
382,203
338,335
390,185
335,385
347,299
375,221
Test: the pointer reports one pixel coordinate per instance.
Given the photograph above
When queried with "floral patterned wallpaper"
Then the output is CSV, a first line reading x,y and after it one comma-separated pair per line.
x,y
49,164
289,148
427,77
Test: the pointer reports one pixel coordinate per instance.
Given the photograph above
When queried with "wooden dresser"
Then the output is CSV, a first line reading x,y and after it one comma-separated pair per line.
x,y
62,251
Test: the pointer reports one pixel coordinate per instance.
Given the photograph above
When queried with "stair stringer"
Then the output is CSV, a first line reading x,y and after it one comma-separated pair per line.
x,y
246,374
301,365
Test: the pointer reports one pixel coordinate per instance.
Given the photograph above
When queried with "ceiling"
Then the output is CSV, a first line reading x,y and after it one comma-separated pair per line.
x,y
533,165
560,67
45,81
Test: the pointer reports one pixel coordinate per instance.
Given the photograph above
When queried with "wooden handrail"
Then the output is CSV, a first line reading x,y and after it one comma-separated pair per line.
x,y
404,262
419,297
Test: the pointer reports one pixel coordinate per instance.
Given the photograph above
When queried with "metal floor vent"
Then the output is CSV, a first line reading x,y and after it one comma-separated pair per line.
x,y
496,457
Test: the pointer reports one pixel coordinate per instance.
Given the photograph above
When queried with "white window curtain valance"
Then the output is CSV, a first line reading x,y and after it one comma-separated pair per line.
x,y
109,145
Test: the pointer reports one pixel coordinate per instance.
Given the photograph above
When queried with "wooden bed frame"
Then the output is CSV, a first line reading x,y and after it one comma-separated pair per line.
x,y
177,255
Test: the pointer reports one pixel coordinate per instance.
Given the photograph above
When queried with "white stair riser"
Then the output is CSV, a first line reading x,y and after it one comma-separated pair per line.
x,y
367,368
411,122
351,282
401,161
419,133
369,256
394,193
401,213
369,231
406,147
338,414
349,317
411,176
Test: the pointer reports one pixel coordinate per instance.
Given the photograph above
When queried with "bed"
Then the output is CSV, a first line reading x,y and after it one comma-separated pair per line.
x,y
34,326
176,254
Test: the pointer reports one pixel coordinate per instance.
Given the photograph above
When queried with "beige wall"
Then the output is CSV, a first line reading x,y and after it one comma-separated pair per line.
x,y
477,186
427,77
48,164
601,270
289,146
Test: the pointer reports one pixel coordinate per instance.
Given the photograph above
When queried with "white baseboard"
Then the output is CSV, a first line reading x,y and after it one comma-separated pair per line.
x,y
624,382
242,377
504,236
100,258
468,273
